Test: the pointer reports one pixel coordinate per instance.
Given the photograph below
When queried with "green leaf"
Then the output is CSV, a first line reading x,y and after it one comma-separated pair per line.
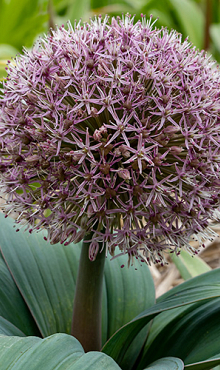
x,y
217,367
161,10
7,328
209,278
214,33
125,300
166,363
12,305
200,333
186,12
191,329
78,9
113,7
7,51
159,323
46,275
195,290
3,72
205,365
188,265
59,351
180,16
60,6
191,335
102,3
21,21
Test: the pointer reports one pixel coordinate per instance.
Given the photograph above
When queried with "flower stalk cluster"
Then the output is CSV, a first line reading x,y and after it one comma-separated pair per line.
x,y
113,128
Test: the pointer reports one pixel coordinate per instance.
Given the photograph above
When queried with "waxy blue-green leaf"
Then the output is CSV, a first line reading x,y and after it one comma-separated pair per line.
x,y
210,277
129,292
192,335
185,328
46,276
7,328
57,352
188,265
210,363
195,290
199,333
12,306
166,363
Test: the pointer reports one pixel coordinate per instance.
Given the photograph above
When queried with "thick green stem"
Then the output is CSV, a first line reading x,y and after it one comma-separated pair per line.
x,y
87,308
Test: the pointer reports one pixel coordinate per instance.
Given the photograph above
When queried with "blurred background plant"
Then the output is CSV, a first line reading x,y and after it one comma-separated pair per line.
x,y
22,21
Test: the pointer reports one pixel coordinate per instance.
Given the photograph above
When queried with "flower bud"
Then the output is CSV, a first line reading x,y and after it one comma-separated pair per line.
x,y
124,174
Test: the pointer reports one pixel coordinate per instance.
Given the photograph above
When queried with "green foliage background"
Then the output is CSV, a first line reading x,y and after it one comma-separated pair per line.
x,y
21,22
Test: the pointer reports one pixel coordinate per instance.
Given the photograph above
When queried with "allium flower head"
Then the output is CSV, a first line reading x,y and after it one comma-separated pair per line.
x,y
113,128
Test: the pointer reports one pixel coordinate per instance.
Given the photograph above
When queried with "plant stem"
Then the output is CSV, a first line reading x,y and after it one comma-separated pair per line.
x,y
208,20
50,10
87,308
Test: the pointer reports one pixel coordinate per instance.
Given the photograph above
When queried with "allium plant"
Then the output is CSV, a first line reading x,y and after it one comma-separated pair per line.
x,y
110,133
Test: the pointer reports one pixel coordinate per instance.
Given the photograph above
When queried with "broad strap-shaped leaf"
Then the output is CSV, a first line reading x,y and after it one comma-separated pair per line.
x,y
189,266
166,363
57,352
12,306
186,11
46,276
199,333
185,328
192,335
214,33
7,328
129,290
190,292
210,363
161,10
78,9
179,15
208,278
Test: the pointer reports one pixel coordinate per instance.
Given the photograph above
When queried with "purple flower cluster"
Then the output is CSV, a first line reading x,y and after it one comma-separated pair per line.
x,y
113,129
